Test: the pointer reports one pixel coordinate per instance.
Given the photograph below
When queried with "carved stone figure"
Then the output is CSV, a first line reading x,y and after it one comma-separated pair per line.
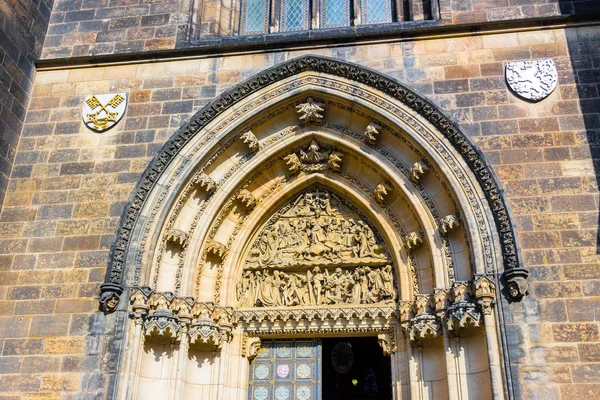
x,y
448,223
251,141
293,162
413,240
317,286
316,229
417,170
314,158
335,161
372,133
381,191
311,111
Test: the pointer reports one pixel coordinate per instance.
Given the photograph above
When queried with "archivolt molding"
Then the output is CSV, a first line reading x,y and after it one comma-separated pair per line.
x,y
155,187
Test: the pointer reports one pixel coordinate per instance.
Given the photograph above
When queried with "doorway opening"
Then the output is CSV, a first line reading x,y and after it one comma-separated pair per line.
x,y
355,369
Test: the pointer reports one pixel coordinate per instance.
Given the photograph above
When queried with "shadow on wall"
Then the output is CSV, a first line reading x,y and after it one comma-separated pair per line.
x,y
584,51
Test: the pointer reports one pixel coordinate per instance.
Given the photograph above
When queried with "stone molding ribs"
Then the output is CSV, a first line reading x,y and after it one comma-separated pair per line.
x,y
514,273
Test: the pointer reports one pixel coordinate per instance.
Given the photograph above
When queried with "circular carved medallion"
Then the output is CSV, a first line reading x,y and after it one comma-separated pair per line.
x,y
283,350
303,371
282,393
261,371
304,350
261,393
303,393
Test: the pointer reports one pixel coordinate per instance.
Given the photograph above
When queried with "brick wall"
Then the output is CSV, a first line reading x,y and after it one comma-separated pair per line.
x,y
62,209
23,26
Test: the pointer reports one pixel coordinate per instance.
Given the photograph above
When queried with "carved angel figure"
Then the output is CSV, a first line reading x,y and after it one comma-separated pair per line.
x,y
311,111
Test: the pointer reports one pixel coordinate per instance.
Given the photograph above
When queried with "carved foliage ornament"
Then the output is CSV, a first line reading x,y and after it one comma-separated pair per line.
x,y
313,158
532,80
311,111
101,112
512,264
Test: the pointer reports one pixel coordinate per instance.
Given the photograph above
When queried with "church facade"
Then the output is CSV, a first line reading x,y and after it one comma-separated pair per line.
x,y
295,199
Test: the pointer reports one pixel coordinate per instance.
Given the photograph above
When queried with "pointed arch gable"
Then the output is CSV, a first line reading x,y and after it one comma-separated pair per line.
x,y
130,221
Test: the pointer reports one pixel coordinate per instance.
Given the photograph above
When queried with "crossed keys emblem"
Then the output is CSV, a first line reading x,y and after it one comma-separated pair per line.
x,y
101,117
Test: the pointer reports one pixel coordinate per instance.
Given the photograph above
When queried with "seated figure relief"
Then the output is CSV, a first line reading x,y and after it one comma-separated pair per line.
x,y
316,251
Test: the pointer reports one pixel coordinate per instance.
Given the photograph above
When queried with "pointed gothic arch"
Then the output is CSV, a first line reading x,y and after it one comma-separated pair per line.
x,y
188,237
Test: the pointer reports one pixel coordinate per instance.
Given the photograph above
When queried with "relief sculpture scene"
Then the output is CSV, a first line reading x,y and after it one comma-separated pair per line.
x,y
317,250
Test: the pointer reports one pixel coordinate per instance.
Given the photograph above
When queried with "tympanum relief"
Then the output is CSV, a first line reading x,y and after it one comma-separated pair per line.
x,y
317,250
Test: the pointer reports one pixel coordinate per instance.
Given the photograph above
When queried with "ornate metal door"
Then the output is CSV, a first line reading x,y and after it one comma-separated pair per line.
x,y
286,370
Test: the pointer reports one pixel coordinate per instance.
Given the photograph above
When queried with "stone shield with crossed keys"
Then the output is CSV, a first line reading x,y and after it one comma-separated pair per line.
x,y
103,111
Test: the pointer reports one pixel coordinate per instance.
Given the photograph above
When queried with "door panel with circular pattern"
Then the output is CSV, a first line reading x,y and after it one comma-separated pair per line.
x,y
286,370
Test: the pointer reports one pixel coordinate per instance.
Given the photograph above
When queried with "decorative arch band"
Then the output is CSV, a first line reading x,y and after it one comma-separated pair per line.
x,y
514,273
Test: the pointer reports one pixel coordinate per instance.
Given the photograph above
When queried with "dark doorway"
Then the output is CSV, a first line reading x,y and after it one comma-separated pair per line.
x,y
355,369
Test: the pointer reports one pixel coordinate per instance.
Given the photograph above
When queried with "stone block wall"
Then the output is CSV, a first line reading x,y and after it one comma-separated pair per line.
x,y
23,25
69,189
99,27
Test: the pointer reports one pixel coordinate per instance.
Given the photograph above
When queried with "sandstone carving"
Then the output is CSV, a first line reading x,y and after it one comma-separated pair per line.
x,y
251,141
205,182
413,240
372,133
314,159
335,161
317,228
449,223
417,170
177,236
275,288
311,111
316,250
250,346
381,192
247,199
217,249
